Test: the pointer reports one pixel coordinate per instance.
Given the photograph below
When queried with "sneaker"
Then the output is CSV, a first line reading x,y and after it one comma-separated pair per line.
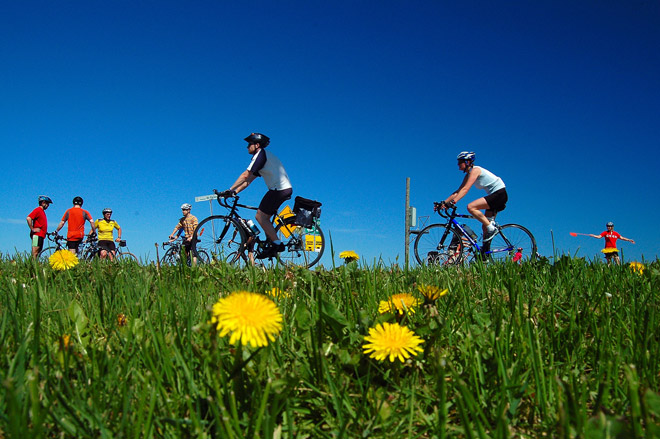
x,y
491,231
271,250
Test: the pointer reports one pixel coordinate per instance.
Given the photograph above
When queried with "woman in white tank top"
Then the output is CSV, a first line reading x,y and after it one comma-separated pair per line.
x,y
481,178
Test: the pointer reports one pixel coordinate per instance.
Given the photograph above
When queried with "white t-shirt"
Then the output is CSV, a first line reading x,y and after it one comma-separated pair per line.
x,y
266,164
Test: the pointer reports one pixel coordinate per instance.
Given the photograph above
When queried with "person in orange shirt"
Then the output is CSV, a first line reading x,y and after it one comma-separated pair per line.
x,y
76,217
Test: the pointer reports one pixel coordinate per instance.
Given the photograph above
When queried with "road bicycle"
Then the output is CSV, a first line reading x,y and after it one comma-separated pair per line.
x,y
174,253
89,249
58,242
235,240
454,243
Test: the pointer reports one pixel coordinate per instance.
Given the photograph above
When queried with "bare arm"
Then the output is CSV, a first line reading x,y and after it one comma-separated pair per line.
x,y
59,226
243,181
465,186
632,241
30,225
596,236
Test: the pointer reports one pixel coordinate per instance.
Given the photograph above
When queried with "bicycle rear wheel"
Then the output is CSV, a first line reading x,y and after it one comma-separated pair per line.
x,y
438,245
44,255
513,243
303,246
221,238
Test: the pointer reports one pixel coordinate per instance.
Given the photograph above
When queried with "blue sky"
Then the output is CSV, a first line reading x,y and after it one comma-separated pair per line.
x,y
141,106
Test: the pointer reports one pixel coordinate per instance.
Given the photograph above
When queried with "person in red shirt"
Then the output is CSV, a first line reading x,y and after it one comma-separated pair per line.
x,y
610,250
38,224
76,217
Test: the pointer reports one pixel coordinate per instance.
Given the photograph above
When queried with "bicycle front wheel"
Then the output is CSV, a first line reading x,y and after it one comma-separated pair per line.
x,y
303,246
219,238
438,245
513,243
171,257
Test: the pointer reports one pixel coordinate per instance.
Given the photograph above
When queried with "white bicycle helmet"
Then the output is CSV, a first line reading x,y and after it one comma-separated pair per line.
x,y
466,155
186,206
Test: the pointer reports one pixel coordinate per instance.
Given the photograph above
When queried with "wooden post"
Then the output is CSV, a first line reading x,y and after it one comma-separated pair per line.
x,y
407,221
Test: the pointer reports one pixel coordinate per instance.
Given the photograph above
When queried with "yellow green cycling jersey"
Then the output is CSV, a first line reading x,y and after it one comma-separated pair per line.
x,y
105,229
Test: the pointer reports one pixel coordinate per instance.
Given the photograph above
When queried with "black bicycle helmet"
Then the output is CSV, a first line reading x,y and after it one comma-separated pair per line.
x,y
107,210
78,201
261,139
609,224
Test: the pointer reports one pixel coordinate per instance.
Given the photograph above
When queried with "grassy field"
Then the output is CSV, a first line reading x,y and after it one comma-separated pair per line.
x,y
106,350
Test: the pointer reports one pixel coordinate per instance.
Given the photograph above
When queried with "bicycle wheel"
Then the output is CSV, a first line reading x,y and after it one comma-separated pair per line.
x,y
126,256
221,238
512,243
171,257
44,255
438,245
304,246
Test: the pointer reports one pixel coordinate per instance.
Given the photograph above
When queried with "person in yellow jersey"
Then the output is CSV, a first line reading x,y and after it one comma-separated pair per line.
x,y
106,227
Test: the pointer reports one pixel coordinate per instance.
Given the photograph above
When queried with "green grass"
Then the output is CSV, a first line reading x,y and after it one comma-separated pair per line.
x,y
564,350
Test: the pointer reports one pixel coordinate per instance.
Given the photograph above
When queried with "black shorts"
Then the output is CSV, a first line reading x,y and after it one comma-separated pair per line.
x,y
273,200
37,241
496,201
107,245
73,245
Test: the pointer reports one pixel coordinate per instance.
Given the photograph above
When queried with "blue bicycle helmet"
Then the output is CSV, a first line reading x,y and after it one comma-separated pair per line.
x,y
44,198
609,224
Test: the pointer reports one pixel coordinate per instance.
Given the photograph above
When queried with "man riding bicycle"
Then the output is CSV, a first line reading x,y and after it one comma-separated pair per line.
x,y
265,164
480,178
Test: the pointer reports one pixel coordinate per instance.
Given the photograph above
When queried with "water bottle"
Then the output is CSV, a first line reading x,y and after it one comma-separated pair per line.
x,y
253,227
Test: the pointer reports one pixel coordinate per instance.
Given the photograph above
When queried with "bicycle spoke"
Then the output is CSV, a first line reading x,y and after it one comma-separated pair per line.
x,y
437,245
513,243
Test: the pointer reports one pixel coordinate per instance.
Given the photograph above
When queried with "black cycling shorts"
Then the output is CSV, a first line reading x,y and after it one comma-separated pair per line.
x,y
73,245
273,200
107,245
496,201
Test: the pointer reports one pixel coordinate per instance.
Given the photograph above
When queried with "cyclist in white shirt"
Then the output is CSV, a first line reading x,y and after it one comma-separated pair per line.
x,y
265,164
481,178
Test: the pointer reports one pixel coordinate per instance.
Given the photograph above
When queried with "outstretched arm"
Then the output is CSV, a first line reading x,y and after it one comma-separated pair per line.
x,y
595,236
632,241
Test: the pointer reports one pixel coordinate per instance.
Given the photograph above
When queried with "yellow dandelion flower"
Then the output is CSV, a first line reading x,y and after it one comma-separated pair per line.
x,y
276,293
349,256
249,317
399,303
65,342
637,267
431,292
391,341
63,260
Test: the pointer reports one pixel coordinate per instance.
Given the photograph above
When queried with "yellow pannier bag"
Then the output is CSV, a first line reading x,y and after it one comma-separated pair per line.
x,y
313,243
283,215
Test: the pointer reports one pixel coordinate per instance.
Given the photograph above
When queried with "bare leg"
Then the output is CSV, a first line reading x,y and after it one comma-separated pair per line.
x,y
475,209
264,221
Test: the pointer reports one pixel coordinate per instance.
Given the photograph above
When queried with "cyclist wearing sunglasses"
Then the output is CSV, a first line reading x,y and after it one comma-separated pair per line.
x,y
481,178
265,164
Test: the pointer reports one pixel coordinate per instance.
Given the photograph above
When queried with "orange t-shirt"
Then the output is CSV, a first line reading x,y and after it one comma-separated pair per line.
x,y
76,216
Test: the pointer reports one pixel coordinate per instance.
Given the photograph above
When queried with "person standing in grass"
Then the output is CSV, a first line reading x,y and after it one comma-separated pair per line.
x,y
38,224
106,227
76,217
610,250
187,224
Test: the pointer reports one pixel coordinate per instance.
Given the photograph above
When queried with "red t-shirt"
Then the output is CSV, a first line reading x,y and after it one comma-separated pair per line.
x,y
39,220
76,216
610,238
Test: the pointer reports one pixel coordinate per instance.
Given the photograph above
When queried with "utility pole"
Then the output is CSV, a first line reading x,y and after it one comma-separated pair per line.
x,y
407,234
